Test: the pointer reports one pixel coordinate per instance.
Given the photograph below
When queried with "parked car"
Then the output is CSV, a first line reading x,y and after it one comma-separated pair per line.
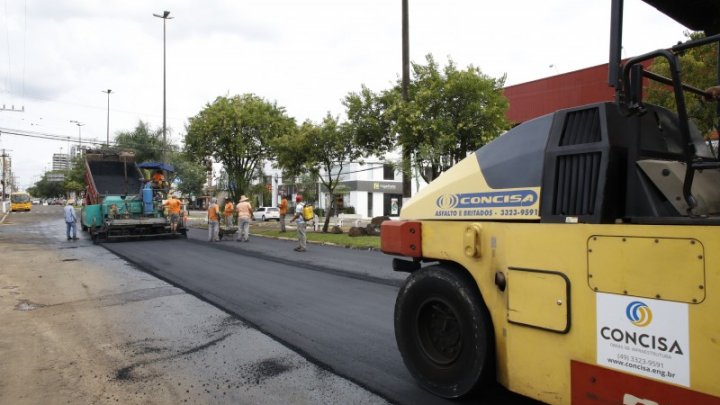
x,y
266,214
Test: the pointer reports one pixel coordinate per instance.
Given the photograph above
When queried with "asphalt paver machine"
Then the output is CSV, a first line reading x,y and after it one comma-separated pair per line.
x,y
121,202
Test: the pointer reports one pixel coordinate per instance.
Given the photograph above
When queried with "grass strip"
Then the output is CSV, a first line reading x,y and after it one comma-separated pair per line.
x,y
357,242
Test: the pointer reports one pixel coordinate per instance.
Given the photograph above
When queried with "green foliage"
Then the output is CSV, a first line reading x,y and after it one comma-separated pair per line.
x,y
698,68
370,118
258,195
75,177
308,187
189,175
47,189
320,150
449,114
343,239
72,185
146,143
237,132
74,181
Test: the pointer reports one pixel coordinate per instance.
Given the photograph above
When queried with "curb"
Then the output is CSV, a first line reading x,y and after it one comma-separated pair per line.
x,y
312,242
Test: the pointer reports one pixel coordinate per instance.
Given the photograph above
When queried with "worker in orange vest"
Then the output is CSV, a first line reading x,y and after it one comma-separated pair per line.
x,y
229,211
173,206
213,221
283,212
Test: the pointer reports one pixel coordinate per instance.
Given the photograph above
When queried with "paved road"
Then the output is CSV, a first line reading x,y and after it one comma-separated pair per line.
x,y
82,326
334,305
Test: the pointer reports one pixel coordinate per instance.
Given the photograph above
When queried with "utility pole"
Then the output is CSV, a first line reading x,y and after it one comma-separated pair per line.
x,y
4,174
107,143
165,16
79,124
406,153
4,179
12,109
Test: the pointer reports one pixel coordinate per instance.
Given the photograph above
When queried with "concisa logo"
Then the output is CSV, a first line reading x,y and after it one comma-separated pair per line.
x,y
639,313
447,201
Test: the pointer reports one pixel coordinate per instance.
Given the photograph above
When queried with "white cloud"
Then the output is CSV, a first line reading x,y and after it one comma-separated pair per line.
x,y
305,55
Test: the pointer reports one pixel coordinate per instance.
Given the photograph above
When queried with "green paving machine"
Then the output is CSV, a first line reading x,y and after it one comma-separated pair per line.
x,y
121,202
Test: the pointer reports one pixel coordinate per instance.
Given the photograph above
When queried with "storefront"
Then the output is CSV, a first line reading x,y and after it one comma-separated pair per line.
x,y
370,198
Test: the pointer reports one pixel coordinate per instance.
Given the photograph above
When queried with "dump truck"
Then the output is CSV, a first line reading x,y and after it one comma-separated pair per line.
x,y
121,201
575,259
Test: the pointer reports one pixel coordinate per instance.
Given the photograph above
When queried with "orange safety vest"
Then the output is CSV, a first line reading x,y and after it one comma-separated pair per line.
x,y
213,212
229,209
173,205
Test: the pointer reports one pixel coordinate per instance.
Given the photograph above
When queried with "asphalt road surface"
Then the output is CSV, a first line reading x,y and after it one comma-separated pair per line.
x,y
333,305
82,326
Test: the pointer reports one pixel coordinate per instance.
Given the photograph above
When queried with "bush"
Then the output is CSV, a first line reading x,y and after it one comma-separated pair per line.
x,y
320,212
348,210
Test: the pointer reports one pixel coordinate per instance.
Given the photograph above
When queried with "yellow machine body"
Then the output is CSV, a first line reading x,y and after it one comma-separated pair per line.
x,y
547,316
598,289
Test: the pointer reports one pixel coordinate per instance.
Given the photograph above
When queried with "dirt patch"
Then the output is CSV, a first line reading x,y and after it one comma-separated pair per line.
x,y
270,368
27,305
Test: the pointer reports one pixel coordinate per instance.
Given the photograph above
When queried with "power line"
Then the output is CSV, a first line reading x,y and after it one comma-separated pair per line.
x,y
42,135
65,138
95,107
54,137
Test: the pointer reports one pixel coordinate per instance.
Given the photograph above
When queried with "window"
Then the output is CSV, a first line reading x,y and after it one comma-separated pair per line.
x,y
388,172
370,205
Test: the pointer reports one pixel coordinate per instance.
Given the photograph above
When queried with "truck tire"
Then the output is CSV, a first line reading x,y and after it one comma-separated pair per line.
x,y
444,331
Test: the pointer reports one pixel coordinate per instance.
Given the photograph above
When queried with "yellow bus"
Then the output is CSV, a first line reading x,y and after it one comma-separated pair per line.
x,y
20,201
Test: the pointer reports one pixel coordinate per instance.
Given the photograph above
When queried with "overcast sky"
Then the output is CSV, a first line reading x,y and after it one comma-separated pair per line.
x,y
56,57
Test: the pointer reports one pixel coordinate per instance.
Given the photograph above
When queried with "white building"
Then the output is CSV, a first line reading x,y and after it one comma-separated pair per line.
x,y
373,188
60,162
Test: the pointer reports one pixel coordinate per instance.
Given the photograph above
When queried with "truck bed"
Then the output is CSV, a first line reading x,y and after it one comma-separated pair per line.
x,y
109,177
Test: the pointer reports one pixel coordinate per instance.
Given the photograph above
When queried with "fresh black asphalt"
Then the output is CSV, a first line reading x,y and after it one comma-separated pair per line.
x,y
334,305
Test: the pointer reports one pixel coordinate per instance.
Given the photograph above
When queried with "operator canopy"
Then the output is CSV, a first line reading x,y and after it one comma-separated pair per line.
x,y
157,165
698,15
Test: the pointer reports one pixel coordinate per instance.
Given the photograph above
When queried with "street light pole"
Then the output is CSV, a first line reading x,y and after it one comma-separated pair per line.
x,y
107,143
79,124
406,152
165,16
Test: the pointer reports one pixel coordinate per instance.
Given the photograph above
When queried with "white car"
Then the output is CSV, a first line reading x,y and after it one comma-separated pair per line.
x,y
266,214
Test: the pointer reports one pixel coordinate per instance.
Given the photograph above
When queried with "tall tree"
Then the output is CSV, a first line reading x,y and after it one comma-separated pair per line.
x,y
449,113
147,143
75,176
371,117
321,151
699,69
237,132
189,175
47,189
